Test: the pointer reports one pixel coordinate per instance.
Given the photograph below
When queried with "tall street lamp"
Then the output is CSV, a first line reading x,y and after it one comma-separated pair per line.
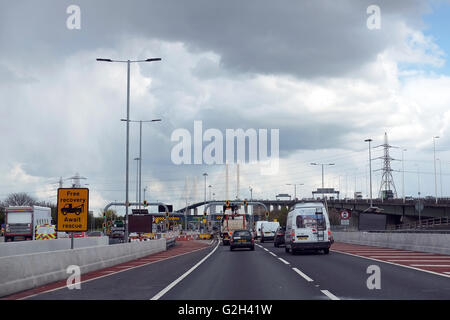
x,y
440,176
322,164
128,62
137,177
140,153
435,178
418,193
403,174
205,175
295,188
251,193
370,170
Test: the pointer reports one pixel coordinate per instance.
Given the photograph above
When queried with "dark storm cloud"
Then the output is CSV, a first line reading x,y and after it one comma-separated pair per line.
x,y
302,38
68,120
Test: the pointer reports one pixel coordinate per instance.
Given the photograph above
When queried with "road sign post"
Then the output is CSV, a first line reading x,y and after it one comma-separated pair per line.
x,y
72,210
345,218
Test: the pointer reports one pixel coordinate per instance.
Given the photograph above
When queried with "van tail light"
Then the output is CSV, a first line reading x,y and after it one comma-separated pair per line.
x,y
329,234
314,230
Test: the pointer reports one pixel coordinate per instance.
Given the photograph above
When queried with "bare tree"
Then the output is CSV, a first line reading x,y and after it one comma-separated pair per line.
x,y
2,213
19,199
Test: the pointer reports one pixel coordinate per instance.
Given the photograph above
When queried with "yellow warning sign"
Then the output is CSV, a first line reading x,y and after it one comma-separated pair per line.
x,y
73,208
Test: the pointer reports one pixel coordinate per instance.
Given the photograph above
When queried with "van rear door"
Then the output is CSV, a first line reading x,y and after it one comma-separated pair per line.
x,y
310,225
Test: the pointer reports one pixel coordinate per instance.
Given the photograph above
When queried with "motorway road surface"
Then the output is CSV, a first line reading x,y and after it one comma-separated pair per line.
x,y
216,273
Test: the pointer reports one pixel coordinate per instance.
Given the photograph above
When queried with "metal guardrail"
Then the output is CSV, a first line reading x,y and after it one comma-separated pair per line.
x,y
410,231
428,202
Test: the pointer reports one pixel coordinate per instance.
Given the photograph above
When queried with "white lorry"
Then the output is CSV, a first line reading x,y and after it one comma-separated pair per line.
x,y
230,223
21,222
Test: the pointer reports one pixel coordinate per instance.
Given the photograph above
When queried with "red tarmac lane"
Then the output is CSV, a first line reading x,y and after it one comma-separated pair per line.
x,y
424,261
179,249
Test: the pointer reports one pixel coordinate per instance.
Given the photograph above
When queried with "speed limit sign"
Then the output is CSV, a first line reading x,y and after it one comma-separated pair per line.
x,y
345,215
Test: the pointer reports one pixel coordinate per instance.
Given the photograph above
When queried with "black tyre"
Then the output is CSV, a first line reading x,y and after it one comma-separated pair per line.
x,y
286,249
252,248
326,251
275,245
231,248
262,240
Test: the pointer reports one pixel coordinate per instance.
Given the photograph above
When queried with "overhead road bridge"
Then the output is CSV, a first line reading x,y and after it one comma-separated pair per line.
x,y
396,207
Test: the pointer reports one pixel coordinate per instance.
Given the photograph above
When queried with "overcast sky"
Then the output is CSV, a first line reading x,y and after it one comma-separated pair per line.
x,y
312,69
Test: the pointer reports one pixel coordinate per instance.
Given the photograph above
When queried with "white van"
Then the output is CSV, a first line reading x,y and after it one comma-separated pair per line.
x,y
258,229
268,230
308,227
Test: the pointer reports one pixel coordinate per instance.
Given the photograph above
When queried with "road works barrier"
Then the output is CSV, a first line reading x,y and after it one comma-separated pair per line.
x,y
23,272
25,247
425,242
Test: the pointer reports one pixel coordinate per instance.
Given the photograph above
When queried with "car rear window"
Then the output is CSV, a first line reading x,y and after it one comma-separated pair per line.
x,y
242,234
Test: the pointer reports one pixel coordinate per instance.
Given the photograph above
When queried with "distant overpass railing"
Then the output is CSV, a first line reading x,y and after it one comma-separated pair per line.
x,y
425,201
427,223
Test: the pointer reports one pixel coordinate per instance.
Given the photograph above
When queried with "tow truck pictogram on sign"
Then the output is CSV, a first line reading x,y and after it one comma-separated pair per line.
x,y
69,209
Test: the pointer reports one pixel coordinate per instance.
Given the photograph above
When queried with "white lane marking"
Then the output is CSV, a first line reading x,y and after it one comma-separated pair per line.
x,y
112,273
430,265
446,272
329,295
265,249
184,275
272,253
395,264
303,275
284,261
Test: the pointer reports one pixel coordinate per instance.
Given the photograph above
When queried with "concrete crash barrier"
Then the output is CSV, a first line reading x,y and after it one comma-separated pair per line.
x,y
425,242
25,247
23,272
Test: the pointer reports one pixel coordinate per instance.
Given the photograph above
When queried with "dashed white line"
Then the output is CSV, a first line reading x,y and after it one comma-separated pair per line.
x,y
329,295
265,249
272,253
284,261
303,275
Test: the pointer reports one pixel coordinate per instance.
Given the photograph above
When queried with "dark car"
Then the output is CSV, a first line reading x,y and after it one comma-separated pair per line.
x,y
279,236
242,239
